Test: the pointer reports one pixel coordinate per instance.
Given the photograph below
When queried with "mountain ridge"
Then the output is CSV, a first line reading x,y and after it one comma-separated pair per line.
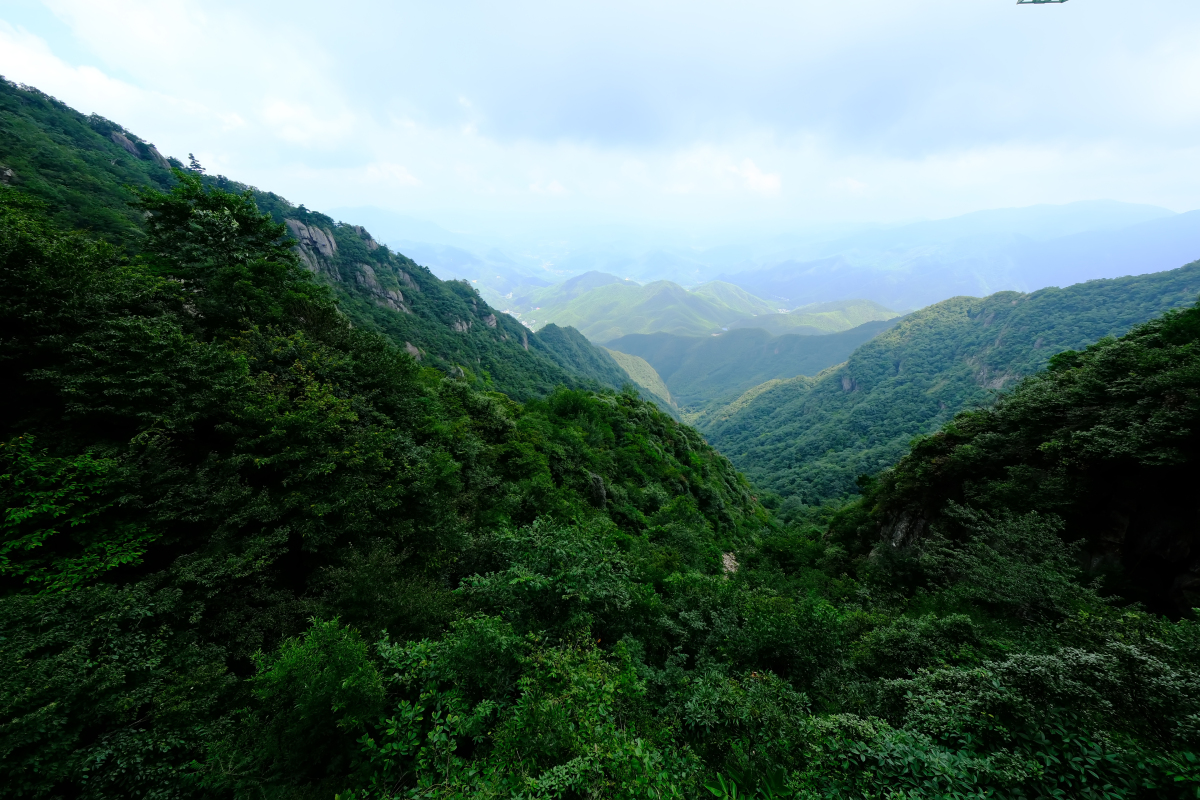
x,y
810,441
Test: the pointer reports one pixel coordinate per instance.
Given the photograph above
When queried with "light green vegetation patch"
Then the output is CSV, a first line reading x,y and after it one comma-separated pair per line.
x,y
642,374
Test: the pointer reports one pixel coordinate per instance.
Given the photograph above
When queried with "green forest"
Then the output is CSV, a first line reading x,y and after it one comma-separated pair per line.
x,y
260,542
706,372
808,440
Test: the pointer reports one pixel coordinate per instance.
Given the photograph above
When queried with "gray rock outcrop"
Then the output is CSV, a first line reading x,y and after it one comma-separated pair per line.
x,y
125,144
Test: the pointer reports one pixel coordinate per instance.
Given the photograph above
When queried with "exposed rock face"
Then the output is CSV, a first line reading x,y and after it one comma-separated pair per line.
x,y
313,237
158,158
412,350
490,320
524,340
599,495
729,562
126,145
407,280
848,384
366,278
393,300
7,176
367,240
315,247
462,327
903,529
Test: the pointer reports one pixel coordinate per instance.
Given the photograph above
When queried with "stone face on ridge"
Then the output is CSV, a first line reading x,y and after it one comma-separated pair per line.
x,y
407,280
312,236
367,240
159,158
123,141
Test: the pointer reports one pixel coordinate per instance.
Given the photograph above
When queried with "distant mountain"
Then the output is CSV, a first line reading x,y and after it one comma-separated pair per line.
x,y
819,318
80,166
809,440
735,298
700,371
920,264
560,294
617,308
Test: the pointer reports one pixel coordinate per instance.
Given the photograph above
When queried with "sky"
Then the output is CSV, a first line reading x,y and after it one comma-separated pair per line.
x,y
718,118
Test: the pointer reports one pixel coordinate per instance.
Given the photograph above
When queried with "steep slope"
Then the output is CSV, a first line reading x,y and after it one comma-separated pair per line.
x,y
810,441
198,469
251,550
81,165
702,370
643,375
1105,443
818,318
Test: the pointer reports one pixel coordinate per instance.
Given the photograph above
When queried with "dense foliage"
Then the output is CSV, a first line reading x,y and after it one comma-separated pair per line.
x,y
250,550
1107,439
252,547
809,441
83,168
704,373
73,162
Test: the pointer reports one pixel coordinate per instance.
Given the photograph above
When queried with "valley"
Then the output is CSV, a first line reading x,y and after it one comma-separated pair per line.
x,y
291,512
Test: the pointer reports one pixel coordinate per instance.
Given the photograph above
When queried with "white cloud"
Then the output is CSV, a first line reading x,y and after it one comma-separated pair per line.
x,y
874,111
302,124
756,180
391,173
552,188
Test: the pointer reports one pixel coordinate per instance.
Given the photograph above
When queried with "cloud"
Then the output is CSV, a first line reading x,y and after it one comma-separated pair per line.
x,y
552,188
756,180
391,173
665,113
303,124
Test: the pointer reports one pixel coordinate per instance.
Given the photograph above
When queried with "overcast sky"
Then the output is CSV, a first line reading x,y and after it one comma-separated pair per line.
x,y
718,116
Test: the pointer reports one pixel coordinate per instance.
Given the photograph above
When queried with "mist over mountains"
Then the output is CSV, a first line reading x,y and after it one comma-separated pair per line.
x,y
902,267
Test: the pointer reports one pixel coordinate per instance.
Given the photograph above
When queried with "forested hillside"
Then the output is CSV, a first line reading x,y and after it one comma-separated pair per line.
x,y
81,166
253,547
643,375
252,551
1101,450
809,441
702,371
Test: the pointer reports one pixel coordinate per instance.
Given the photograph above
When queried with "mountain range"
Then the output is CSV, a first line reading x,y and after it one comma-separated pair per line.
x,y
604,307
289,515
81,166
900,266
809,438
